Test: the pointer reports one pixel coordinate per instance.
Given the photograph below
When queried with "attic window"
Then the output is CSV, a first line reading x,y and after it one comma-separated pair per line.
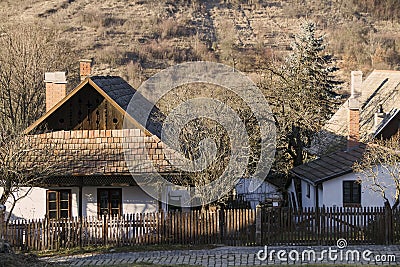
x,y
115,120
61,121
308,190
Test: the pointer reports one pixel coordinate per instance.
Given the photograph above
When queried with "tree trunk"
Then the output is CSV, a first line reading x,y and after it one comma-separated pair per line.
x,y
388,224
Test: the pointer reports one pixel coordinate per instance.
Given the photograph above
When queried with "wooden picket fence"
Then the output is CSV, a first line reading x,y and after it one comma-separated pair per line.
x,y
324,226
238,227
233,227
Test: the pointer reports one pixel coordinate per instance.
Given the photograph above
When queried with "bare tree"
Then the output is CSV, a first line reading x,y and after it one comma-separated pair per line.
x,y
27,52
25,160
379,169
205,143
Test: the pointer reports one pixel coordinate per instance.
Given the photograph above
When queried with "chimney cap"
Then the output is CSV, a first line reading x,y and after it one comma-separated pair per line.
x,y
356,83
353,103
85,60
55,77
356,73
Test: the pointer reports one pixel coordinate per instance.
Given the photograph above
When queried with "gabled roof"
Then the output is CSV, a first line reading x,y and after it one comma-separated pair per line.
x,y
380,87
329,166
113,88
105,152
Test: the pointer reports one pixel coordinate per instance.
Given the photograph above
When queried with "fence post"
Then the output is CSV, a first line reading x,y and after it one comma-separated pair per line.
x,y
221,224
258,224
80,221
2,222
388,224
2,226
105,230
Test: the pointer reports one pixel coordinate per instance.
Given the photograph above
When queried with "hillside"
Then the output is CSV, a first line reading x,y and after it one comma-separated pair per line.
x,y
136,38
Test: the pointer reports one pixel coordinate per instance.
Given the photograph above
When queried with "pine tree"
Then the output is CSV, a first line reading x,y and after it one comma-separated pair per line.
x,y
304,95
309,73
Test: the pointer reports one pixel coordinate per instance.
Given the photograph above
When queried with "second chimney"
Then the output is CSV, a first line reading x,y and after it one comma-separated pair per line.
x,y
353,138
85,66
55,88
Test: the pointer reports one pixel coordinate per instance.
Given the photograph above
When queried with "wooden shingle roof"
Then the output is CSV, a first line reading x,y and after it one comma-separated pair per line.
x,y
329,166
104,152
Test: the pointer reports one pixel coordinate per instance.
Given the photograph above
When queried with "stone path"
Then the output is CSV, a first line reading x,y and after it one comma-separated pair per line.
x,y
244,256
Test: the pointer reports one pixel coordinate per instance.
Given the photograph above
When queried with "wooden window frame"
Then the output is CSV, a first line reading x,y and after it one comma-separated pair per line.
x,y
308,190
58,203
352,203
109,197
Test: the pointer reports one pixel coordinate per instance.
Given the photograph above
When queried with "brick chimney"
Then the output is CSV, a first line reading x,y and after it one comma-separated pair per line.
x,y
85,68
55,88
354,110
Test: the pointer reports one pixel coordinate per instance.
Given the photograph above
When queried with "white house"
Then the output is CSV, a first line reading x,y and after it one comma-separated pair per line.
x,y
268,192
330,181
85,131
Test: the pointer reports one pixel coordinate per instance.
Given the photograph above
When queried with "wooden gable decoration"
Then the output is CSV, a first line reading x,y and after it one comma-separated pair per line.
x,y
98,103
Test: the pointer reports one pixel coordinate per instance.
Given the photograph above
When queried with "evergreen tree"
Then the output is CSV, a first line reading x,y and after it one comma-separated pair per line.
x,y
304,95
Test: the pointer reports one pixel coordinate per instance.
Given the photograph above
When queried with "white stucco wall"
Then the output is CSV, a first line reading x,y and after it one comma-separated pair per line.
x,y
308,202
293,195
33,206
134,200
333,191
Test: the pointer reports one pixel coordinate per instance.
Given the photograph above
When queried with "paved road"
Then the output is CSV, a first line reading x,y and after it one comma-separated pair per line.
x,y
244,256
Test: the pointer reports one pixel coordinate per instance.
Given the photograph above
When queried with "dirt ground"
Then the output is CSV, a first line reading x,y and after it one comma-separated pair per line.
x,y
19,260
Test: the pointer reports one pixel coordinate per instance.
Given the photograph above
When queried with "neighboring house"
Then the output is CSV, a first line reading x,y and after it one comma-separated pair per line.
x,y
329,180
85,130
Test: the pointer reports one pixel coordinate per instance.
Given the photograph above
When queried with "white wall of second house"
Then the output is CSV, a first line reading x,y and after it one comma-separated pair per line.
x,y
134,200
333,190
33,206
308,201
